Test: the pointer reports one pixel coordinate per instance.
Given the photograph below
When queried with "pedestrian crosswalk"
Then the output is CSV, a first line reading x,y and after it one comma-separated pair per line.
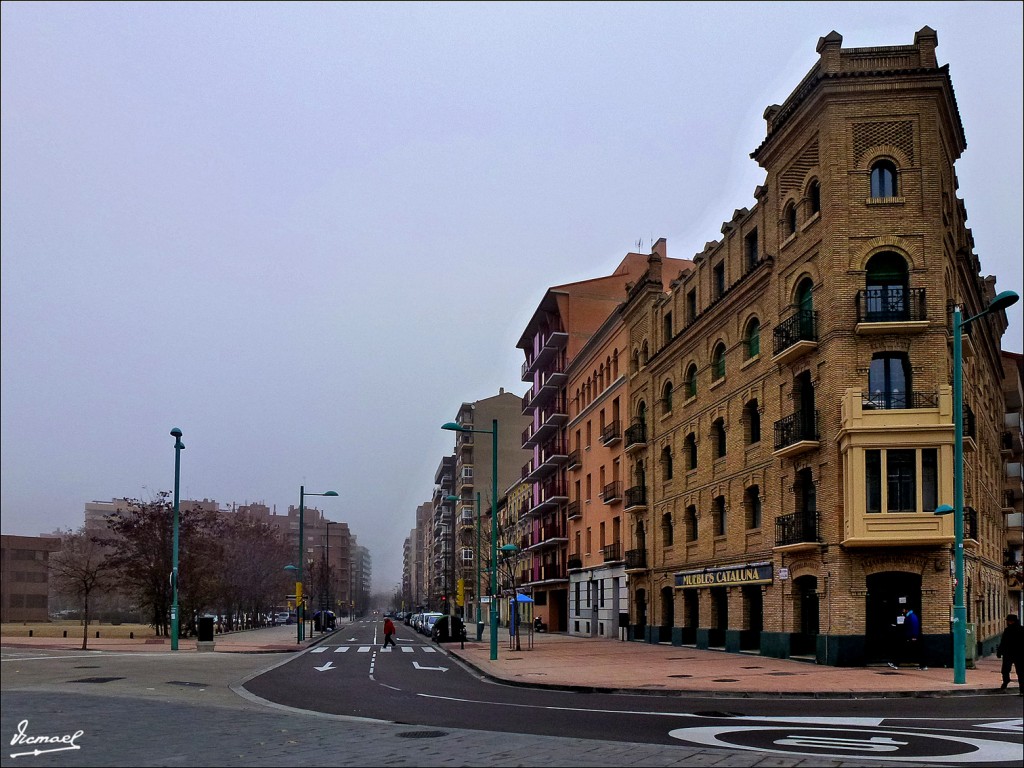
x,y
368,648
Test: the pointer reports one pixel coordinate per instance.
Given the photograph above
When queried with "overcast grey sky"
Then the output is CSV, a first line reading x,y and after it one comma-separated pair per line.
x,y
304,233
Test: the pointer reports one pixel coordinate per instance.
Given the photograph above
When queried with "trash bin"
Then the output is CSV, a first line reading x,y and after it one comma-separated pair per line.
x,y
205,629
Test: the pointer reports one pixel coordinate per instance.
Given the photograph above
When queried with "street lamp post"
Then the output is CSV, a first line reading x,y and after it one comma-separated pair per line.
x,y
493,432
507,551
327,558
1001,301
299,600
175,619
479,622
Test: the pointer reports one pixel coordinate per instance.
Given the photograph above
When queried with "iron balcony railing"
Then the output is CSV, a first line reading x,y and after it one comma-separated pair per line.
x,y
612,491
970,523
796,428
636,434
899,400
636,496
636,558
574,562
797,528
572,510
800,326
574,460
891,304
612,552
611,432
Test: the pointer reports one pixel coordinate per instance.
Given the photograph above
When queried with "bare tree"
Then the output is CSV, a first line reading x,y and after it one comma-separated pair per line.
x,y
81,570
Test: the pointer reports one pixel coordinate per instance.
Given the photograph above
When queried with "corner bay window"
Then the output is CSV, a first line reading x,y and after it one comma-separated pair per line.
x,y
911,480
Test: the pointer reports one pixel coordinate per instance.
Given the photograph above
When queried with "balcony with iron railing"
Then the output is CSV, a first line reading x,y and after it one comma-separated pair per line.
x,y
797,528
547,572
636,559
612,492
612,552
572,510
636,436
547,347
547,496
636,499
575,562
891,309
795,336
548,420
797,433
574,460
611,433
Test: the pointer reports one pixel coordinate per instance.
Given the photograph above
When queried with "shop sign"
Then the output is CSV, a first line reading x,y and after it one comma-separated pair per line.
x,y
733,575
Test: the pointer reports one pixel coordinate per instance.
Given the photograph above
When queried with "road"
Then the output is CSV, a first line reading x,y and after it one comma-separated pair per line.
x,y
345,702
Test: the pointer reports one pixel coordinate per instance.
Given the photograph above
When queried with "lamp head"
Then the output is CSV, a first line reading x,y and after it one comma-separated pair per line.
x,y
509,549
451,498
1003,300
289,568
175,432
329,493
452,426
944,509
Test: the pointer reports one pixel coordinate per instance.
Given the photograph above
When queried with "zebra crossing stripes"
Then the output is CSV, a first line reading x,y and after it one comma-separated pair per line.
x,y
368,648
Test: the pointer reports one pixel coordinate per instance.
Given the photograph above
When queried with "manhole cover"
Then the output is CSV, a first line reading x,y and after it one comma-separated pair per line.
x,y
422,734
680,675
96,680
186,682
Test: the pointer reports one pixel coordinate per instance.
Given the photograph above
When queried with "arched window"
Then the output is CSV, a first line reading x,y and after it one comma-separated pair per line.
x,y
718,513
889,384
691,523
752,505
789,219
691,381
666,528
814,196
718,430
883,179
805,309
691,451
666,463
752,422
718,362
752,338
886,287
666,396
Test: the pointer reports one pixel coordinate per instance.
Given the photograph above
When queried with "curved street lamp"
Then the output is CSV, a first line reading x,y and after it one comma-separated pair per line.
x,y
175,621
1000,302
299,600
493,432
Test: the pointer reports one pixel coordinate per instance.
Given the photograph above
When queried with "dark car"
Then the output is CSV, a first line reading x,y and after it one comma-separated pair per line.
x,y
448,629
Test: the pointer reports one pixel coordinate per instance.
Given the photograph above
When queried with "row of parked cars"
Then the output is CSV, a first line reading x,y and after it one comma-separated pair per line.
x,y
439,627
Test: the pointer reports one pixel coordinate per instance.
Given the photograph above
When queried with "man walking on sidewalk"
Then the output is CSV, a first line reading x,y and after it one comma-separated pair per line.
x,y
911,645
1011,650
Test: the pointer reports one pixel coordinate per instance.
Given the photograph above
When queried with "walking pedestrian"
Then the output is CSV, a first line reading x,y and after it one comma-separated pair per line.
x,y
910,645
1011,651
389,632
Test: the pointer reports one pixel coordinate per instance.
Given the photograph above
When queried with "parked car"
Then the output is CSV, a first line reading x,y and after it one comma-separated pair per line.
x,y
282,617
448,629
427,623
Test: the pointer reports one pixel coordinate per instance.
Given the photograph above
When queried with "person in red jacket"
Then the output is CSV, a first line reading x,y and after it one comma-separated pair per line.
x,y
389,632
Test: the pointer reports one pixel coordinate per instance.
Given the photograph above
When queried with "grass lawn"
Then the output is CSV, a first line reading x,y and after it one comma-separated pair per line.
x,y
74,629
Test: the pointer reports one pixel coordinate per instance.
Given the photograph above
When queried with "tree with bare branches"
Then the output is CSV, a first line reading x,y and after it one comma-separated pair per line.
x,y
81,570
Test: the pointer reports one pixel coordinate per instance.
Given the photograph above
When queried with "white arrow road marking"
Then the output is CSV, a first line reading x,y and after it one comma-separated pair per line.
x,y
416,664
1005,725
325,667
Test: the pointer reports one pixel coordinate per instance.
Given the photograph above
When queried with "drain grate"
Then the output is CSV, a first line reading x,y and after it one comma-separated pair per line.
x,y
188,684
680,675
421,734
89,666
725,680
781,674
96,680
751,667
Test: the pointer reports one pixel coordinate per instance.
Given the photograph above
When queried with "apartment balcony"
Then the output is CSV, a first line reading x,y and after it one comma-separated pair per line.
x,y
1012,438
548,536
547,497
466,518
1014,482
551,344
611,433
574,563
796,434
612,492
612,552
549,420
636,560
574,460
636,499
891,310
572,510
636,436
795,336
799,530
550,572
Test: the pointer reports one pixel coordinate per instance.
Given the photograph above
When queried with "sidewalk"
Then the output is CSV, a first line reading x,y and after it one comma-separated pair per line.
x,y
599,664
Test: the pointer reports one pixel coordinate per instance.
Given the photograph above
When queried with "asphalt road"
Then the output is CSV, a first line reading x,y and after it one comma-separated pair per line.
x,y
351,704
